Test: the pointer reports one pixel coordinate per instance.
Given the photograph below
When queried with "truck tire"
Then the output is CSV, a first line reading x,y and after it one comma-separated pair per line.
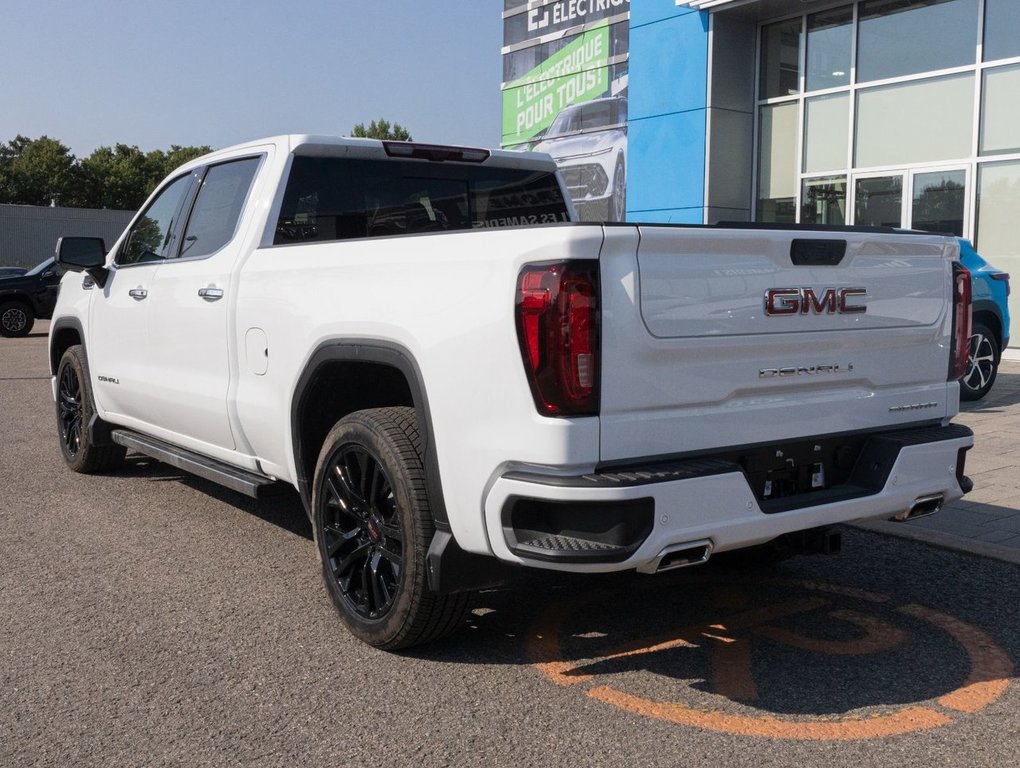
x,y
982,363
16,319
75,408
373,527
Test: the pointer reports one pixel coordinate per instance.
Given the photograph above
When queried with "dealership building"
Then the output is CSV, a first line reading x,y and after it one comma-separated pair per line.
x,y
871,112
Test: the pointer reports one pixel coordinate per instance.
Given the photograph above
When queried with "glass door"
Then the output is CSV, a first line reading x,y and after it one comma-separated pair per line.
x,y
878,200
933,200
939,201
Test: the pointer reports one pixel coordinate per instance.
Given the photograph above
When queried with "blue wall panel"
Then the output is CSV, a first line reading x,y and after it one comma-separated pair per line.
x,y
648,11
667,162
668,97
669,66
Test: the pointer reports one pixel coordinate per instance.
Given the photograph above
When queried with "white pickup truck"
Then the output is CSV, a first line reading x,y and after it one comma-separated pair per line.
x,y
456,376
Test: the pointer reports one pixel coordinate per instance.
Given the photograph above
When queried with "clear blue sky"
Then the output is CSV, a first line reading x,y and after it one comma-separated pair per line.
x,y
192,72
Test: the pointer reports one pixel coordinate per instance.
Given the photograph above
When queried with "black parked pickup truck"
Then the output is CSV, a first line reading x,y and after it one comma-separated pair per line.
x,y
23,298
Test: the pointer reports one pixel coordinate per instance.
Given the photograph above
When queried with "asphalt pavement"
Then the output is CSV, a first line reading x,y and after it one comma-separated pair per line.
x,y
151,618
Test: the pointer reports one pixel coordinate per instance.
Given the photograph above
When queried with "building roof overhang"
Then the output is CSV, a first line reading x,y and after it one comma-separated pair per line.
x,y
713,5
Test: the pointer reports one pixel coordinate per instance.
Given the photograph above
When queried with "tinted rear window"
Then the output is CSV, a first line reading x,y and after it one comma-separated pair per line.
x,y
339,198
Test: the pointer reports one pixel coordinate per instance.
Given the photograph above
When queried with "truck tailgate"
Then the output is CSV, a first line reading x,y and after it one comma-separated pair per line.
x,y
697,354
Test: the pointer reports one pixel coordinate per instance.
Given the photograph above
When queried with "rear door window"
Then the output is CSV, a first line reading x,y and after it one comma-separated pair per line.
x,y
218,206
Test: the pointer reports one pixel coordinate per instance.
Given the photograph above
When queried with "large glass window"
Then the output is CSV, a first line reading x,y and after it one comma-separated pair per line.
x,y
879,133
939,201
823,201
1002,29
915,122
998,202
150,236
828,48
218,207
1000,113
878,202
826,132
780,59
907,37
777,163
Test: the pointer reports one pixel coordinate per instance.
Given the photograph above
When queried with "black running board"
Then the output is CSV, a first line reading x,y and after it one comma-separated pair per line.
x,y
240,480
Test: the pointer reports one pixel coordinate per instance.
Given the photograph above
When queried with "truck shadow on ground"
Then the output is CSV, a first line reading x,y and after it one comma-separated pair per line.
x,y
281,506
813,648
885,638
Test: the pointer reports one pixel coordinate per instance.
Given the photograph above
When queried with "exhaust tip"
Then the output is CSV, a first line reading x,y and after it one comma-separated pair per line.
x,y
682,556
922,507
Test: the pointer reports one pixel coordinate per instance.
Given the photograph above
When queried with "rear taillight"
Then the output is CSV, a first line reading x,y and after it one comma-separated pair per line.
x,y
961,322
558,330
1001,277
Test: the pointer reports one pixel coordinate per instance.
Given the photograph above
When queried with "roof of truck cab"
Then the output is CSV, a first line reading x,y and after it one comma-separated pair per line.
x,y
314,144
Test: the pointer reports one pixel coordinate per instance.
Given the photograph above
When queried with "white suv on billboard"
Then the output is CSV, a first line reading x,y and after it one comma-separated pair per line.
x,y
588,141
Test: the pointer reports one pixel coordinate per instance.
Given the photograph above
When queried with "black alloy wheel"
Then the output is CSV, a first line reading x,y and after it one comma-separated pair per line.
x,y
75,411
362,538
70,412
373,527
982,364
16,319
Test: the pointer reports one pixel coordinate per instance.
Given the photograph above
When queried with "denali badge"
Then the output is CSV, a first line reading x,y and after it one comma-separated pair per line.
x,y
803,370
913,407
801,301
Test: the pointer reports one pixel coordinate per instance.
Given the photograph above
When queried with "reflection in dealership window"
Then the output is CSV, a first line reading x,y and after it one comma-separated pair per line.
x,y
828,48
780,57
1002,29
907,37
879,202
938,204
823,201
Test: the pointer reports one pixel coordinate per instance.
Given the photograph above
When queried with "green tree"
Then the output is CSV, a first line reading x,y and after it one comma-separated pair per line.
x,y
37,172
123,176
115,177
381,129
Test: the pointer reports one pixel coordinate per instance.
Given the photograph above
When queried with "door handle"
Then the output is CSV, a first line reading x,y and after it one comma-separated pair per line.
x,y
138,293
211,294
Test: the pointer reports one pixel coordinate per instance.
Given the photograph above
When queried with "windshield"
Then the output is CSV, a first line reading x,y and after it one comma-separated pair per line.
x,y
40,268
604,113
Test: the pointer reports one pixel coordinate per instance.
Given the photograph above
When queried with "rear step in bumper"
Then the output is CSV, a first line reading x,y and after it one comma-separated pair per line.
x,y
240,480
672,514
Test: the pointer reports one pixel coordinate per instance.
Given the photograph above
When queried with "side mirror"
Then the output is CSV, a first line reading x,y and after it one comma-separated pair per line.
x,y
84,254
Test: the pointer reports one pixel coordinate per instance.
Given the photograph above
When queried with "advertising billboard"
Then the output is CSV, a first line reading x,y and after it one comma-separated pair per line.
x,y
565,93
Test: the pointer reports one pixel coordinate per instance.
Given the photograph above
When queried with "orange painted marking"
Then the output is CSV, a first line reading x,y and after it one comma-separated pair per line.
x,y
902,721
990,667
731,670
879,636
832,589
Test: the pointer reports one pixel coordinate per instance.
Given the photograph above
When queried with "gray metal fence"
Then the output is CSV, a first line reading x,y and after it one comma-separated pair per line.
x,y
28,233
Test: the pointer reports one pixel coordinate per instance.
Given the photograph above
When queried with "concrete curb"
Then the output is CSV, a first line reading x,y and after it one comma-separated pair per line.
x,y
941,540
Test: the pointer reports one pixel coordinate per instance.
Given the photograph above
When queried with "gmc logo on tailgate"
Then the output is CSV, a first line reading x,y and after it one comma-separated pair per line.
x,y
803,301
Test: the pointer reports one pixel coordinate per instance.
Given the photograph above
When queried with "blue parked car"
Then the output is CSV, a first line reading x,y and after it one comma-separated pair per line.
x,y
990,331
